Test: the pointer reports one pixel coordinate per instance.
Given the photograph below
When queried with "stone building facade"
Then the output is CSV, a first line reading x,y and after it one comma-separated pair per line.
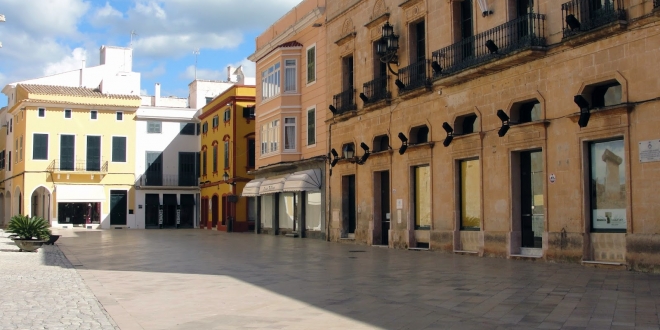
x,y
565,171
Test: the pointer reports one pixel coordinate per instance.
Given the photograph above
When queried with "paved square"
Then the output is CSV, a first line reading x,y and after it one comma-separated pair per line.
x,y
199,279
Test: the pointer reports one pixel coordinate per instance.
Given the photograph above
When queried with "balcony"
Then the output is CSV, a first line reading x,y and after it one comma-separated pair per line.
x,y
584,15
413,76
523,33
166,180
80,166
376,90
344,102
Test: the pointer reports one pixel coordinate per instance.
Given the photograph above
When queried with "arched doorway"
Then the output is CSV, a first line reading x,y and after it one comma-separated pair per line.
x,y
214,211
17,204
40,203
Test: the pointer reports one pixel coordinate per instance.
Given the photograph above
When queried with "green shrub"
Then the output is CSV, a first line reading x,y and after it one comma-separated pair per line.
x,y
29,228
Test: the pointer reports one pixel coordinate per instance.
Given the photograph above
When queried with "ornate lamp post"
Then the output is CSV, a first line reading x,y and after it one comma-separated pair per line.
x,y
388,46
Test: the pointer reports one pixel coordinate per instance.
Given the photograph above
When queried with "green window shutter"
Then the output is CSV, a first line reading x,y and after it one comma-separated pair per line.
x,y
118,149
40,146
311,65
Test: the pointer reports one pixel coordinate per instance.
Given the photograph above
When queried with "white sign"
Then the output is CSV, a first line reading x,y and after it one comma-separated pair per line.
x,y
649,151
399,204
609,219
553,178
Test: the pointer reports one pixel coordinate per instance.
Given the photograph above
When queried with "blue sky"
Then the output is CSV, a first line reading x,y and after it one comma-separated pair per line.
x,y
42,37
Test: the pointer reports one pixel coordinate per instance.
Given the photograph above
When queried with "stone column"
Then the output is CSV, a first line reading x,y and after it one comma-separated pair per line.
x,y
612,184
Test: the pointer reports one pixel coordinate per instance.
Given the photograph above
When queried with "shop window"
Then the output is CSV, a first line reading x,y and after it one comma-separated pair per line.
x,y
381,143
607,186
422,196
470,194
419,134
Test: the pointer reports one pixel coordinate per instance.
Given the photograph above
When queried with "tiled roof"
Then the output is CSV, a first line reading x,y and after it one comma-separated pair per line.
x,y
73,102
74,91
290,44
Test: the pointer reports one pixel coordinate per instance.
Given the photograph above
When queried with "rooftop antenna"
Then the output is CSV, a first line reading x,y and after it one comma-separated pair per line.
x,y
196,52
132,34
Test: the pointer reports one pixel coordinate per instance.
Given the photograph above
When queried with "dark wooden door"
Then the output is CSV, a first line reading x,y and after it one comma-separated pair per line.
x,y
118,207
154,171
152,203
385,206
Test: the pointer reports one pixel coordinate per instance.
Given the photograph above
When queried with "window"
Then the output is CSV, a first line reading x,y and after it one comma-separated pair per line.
x,y
20,148
227,115
251,149
418,42
209,100
419,134
215,158
226,154
154,127
270,82
311,127
347,70
607,186
198,128
422,196
9,162
270,136
11,123
39,147
248,112
381,143
119,149
67,113
187,169
606,95
311,64
41,112
216,121
187,129
470,194
290,76
289,133
205,127
93,115
16,150
466,124
120,115
93,162
529,112
2,160
204,162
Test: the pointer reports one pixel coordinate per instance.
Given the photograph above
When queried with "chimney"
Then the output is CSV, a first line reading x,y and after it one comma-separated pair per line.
x,y
157,94
82,72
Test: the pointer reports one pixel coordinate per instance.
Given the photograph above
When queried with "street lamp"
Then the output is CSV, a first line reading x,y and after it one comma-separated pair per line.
x,y
387,46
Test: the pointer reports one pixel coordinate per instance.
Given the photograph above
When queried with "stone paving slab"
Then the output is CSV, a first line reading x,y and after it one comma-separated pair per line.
x,y
200,279
42,290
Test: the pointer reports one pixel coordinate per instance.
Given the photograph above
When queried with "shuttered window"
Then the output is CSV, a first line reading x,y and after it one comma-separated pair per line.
x,y
39,147
154,127
118,148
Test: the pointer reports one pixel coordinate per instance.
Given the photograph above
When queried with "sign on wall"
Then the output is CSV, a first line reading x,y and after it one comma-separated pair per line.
x,y
649,151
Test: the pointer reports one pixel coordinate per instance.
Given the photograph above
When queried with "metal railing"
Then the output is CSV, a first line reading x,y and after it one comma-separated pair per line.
x,y
166,180
376,89
344,101
521,33
64,165
583,15
414,75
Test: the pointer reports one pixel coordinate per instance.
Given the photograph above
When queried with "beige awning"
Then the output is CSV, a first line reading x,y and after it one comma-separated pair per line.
x,y
252,188
77,193
309,180
272,185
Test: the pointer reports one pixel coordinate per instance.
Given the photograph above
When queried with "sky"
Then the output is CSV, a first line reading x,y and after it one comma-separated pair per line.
x,y
44,37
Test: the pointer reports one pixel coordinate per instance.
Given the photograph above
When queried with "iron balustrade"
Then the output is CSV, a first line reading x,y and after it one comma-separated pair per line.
x,y
344,101
521,33
590,14
167,180
414,75
65,165
376,89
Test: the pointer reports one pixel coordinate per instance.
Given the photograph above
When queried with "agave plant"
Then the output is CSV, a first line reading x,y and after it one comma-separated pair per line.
x,y
29,228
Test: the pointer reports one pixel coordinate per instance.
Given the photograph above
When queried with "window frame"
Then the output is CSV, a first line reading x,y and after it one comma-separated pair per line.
x,y
152,124
226,154
119,116
184,125
294,68
226,115
270,137
39,112
295,137
34,135
20,148
94,115
112,149
311,66
215,158
2,159
459,199
589,169
68,111
271,81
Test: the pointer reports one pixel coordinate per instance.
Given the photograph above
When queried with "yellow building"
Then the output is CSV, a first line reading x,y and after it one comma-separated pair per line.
x,y
69,156
227,154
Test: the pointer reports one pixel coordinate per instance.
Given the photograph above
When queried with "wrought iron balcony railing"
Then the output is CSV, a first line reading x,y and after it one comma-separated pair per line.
x,y
584,15
376,89
413,76
65,165
166,180
519,34
344,101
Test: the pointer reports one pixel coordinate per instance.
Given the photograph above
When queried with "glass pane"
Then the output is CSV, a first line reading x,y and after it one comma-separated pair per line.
x,y
470,195
608,185
423,197
286,210
313,211
267,211
251,208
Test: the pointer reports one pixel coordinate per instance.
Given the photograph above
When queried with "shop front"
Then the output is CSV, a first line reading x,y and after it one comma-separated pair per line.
x,y
79,205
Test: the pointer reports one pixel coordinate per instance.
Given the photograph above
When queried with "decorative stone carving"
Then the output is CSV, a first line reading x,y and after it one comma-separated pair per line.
x,y
347,27
416,11
379,9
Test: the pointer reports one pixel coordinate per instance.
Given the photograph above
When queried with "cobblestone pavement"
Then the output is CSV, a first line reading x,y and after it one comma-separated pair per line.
x,y
201,279
42,290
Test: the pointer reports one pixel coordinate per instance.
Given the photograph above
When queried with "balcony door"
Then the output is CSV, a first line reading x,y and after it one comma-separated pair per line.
x,y
154,173
187,169
93,153
67,152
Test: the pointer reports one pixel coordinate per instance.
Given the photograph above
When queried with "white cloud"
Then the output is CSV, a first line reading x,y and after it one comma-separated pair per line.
x,y
249,67
53,18
155,72
107,11
177,45
143,92
150,9
68,63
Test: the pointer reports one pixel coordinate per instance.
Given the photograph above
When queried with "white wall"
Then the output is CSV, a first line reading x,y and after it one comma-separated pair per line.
x,y
199,90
